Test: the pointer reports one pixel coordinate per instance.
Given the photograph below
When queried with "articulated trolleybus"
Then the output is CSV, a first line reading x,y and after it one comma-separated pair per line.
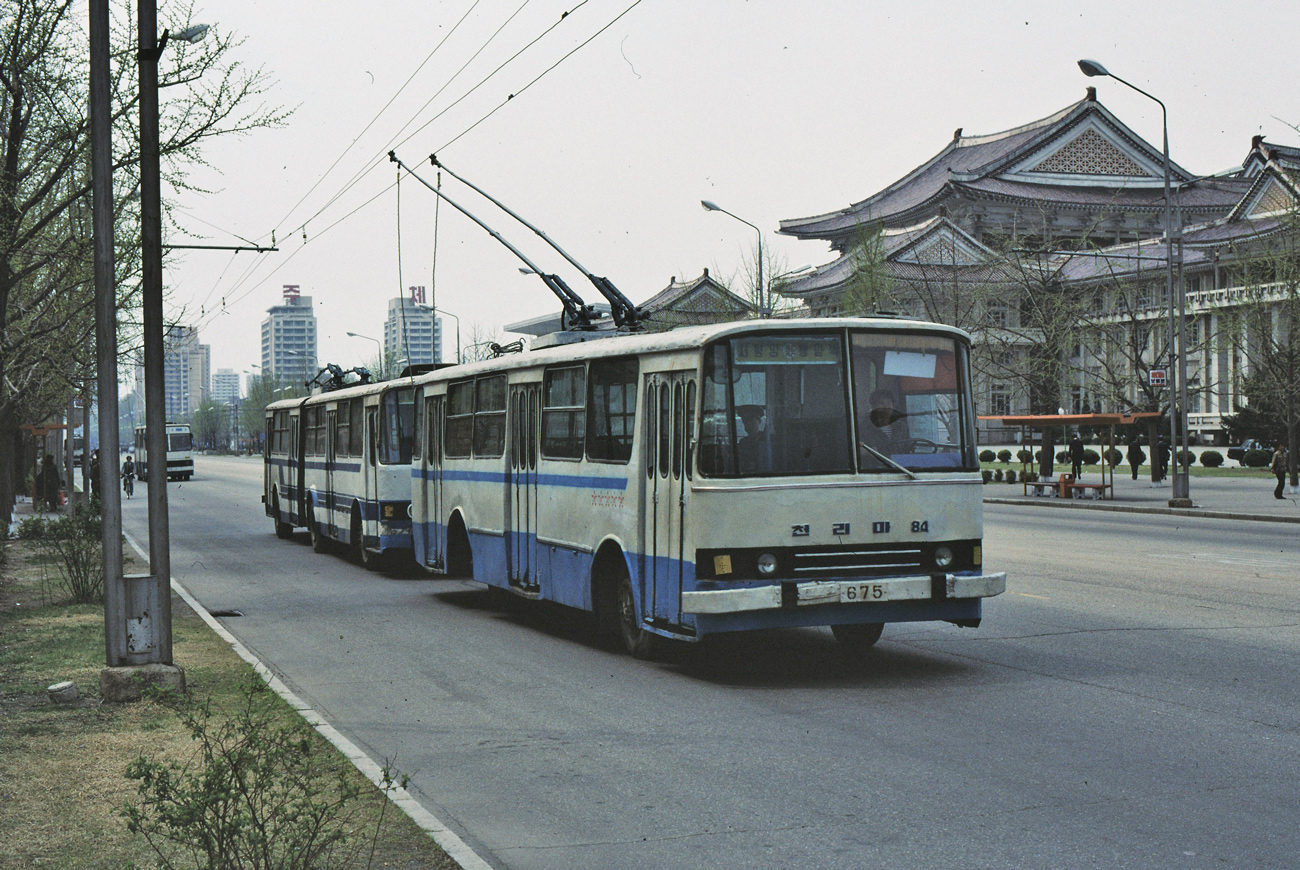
x,y
339,463
707,479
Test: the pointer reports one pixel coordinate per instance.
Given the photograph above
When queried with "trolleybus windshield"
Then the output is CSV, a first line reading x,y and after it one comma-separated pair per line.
x,y
797,403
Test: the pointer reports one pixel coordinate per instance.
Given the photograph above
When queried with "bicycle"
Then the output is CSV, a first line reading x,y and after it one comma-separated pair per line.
x,y
128,484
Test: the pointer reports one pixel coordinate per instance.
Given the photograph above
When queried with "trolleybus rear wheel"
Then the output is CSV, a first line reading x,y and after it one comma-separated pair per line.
x,y
862,636
368,559
282,529
318,540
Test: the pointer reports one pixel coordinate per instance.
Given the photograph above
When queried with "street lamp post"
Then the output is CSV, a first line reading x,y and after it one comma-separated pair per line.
x,y
1180,496
457,319
764,309
378,347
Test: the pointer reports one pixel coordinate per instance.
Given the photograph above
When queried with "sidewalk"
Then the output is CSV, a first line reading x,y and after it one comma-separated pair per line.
x,y
1232,498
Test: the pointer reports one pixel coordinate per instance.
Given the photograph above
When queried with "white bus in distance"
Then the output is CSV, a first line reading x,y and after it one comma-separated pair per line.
x,y
714,479
339,463
180,452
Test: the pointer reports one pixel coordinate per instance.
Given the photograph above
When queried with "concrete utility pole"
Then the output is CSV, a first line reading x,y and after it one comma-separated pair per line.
x,y
137,609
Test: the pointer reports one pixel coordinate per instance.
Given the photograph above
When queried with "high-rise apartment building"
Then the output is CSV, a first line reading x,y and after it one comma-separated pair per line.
x,y
289,338
187,367
412,333
225,386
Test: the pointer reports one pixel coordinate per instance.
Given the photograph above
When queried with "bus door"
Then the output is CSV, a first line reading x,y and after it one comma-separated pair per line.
x,y
430,483
522,499
667,473
331,500
370,473
297,470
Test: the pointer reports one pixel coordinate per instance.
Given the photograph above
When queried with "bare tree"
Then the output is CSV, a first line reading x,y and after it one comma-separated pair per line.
x,y
46,298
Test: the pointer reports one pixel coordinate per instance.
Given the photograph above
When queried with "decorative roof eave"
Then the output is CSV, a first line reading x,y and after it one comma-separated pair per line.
x,y
1271,173
1020,143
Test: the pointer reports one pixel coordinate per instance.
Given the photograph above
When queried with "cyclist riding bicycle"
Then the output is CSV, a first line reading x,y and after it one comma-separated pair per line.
x,y
128,477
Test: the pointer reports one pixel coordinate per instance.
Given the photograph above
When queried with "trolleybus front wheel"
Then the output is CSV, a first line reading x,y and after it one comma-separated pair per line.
x,y
862,636
640,643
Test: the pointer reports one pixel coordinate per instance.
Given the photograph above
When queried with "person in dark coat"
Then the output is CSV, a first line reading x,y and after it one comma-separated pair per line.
x,y
1279,469
94,474
48,485
1046,456
1076,456
1163,452
1135,456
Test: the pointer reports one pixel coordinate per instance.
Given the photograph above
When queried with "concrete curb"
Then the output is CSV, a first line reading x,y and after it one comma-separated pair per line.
x,y
1140,509
451,843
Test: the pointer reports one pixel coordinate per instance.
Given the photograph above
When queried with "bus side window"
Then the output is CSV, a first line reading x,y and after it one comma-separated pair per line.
x,y
611,409
652,438
690,428
679,423
665,429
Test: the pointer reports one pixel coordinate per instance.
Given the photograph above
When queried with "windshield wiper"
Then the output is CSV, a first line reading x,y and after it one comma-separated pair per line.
x,y
885,459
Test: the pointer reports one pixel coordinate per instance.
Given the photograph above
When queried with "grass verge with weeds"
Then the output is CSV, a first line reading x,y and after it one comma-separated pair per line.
x,y
63,779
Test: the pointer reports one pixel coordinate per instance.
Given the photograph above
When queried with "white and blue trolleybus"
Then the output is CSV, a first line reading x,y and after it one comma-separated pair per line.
x,y
339,463
711,479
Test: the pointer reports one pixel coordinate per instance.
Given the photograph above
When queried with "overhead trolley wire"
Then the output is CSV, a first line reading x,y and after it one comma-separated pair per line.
x,y
539,77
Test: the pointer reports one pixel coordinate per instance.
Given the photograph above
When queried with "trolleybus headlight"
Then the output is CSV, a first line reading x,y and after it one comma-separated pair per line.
x,y
942,557
767,564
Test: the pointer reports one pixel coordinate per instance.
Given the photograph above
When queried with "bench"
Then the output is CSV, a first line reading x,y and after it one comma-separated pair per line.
x,y
1042,487
1093,490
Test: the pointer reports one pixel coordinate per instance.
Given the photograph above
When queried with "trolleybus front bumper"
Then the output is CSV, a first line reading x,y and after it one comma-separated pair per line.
x,y
929,587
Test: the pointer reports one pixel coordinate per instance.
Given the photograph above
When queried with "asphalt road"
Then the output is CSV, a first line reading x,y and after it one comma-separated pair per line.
x,y
1132,701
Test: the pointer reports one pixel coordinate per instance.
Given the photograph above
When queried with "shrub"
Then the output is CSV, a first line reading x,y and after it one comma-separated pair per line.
x,y
1011,475
987,456
1114,457
1186,458
997,475
259,792
1256,459
1063,457
987,475
1091,457
1024,455
1029,476
1004,455
74,543
1211,458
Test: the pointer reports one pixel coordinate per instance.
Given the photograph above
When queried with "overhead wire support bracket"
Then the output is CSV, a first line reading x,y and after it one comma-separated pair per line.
x,y
624,312
577,313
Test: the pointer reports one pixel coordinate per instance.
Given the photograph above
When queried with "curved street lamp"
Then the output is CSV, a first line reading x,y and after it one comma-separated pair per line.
x,y
763,309
1180,492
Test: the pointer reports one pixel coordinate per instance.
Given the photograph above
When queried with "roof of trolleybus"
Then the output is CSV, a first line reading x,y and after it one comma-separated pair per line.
x,y
598,345
351,391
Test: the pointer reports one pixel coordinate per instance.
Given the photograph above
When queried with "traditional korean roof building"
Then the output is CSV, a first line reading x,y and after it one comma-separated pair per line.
x,y
1073,203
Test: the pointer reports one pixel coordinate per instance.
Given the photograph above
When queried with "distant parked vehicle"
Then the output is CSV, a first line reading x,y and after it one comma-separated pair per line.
x,y
1239,452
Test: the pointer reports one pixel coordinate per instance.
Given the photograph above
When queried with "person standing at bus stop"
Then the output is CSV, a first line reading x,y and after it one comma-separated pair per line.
x,y
1279,469
1135,455
1076,456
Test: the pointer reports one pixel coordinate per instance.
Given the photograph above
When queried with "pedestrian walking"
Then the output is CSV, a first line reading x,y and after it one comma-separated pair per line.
x,y
1135,455
48,485
1163,452
94,474
1279,467
1076,456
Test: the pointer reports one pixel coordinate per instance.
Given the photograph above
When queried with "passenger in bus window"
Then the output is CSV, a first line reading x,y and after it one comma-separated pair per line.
x,y
754,448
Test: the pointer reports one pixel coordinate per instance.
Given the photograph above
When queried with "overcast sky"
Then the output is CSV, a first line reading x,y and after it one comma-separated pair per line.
x,y
772,109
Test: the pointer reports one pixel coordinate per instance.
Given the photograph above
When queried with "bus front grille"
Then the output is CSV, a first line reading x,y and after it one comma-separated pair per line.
x,y
857,562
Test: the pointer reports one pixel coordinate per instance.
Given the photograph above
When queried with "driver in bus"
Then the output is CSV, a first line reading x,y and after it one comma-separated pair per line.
x,y
885,428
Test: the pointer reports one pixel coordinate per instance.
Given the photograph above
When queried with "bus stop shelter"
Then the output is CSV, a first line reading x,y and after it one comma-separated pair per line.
x,y
1063,486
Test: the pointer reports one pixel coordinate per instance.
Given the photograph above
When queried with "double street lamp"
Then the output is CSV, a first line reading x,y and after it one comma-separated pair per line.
x,y
1177,412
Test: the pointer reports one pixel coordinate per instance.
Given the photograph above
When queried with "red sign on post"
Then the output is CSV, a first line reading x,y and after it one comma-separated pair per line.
x,y
1157,378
